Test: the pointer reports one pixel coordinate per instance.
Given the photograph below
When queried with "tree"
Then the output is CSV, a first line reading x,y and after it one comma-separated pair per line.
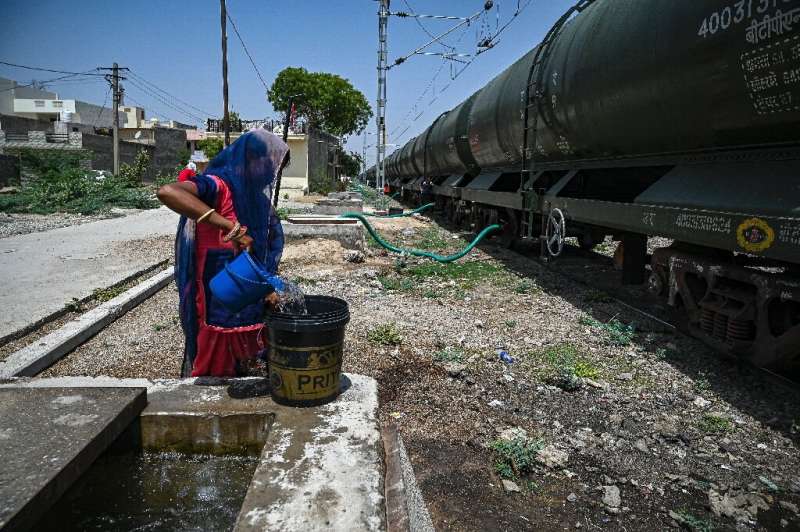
x,y
328,101
211,146
350,163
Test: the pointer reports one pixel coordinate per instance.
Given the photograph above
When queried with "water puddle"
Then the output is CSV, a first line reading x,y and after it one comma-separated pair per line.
x,y
155,491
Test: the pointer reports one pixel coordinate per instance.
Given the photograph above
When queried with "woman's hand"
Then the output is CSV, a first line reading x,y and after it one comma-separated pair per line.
x,y
242,243
272,300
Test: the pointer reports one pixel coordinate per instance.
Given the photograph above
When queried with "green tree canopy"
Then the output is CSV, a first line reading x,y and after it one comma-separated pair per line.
x,y
211,146
328,101
350,163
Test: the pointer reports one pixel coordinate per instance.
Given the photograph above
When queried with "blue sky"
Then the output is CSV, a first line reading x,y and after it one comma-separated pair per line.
x,y
175,44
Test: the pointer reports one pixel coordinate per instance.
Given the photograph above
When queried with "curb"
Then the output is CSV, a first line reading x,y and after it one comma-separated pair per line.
x,y
405,506
27,329
30,360
393,485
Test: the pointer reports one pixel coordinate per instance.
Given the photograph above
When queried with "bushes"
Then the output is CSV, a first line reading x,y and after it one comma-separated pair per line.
x,y
62,185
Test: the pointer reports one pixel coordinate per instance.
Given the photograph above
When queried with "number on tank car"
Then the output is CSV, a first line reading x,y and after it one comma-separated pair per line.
x,y
736,13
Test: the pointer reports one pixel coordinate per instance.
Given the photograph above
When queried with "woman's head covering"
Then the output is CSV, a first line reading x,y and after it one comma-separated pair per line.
x,y
249,167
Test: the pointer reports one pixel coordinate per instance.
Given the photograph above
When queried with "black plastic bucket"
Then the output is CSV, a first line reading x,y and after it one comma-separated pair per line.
x,y
305,352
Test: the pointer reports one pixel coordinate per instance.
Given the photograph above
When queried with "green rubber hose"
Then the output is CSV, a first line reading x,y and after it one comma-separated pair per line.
x,y
418,252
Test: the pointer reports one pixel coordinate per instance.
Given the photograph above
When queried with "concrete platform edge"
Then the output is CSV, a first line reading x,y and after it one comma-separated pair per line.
x,y
27,329
27,516
394,487
34,358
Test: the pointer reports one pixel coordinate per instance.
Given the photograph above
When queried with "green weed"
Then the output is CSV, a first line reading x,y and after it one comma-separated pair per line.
x,y
430,293
466,274
397,284
449,354
617,333
430,238
75,305
386,334
61,184
701,383
715,424
666,353
586,370
525,287
511,324
514,458
695,524
107,294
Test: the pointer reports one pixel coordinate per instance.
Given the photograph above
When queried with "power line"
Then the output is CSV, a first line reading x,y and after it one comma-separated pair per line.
x,y
44,82
100,111
246,51
161,99
140,104
26,67
173,97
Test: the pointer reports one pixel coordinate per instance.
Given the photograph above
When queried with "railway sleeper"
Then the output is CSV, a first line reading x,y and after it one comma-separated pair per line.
x,y
745,311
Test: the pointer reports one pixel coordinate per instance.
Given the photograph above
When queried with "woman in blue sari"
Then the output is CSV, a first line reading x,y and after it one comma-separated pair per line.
x,y
225,211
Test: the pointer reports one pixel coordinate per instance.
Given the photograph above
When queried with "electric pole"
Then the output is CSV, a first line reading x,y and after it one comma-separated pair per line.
x,y
117,90
383,17
117,97
364,155
226,124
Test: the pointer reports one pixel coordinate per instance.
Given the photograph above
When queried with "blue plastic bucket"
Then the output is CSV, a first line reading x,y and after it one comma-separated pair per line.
x,y
242,282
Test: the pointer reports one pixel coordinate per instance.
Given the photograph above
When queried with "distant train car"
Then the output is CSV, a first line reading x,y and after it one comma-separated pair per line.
x,y
647,117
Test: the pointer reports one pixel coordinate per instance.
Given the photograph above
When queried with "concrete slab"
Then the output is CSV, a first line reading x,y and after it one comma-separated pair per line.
x,y
33,358
49,437
44,271
320,469
351,235
338,206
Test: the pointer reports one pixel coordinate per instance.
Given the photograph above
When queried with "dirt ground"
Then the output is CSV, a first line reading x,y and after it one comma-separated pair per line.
x,y
527,401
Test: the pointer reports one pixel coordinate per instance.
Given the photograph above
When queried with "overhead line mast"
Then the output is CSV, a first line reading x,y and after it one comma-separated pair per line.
x,y
383,17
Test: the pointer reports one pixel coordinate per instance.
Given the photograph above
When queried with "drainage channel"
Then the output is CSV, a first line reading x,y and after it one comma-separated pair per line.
x,y
110,453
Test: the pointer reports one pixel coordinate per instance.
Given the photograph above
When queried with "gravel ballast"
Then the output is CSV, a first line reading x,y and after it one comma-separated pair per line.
x,y
622,426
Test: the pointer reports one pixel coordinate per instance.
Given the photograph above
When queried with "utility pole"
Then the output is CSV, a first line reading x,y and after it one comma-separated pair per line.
x,y
277,192
226,124
117,90
117,97
364,155
383,17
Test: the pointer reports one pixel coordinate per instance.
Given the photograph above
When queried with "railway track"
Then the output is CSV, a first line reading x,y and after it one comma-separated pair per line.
x,y
637,301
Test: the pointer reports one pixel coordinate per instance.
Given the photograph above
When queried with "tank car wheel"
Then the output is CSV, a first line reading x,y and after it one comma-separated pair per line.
x,y
655,284
555,232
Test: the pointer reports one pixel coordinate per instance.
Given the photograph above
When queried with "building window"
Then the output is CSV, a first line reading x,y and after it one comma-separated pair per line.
x,y
127,109
58,104
38,103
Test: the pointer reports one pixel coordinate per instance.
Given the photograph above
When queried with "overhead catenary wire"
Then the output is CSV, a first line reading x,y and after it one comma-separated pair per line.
x,y
488,43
